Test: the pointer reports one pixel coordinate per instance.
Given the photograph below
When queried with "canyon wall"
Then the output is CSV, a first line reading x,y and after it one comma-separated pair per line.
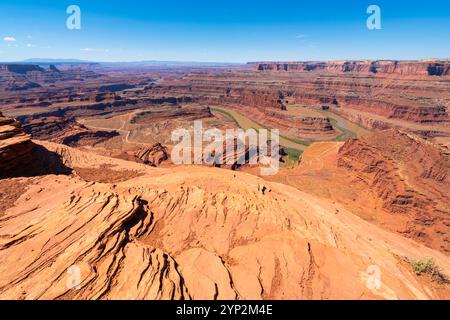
x,y
382,67
379,102
408,176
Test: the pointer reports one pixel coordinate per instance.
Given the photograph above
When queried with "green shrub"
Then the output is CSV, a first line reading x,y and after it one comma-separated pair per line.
x,y
427,266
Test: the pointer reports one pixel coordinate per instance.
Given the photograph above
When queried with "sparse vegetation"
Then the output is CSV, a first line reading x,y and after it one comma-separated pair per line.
x,y
293,156
345,133
428,267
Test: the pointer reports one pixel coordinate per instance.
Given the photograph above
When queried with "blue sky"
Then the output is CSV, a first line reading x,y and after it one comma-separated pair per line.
x,y
224,30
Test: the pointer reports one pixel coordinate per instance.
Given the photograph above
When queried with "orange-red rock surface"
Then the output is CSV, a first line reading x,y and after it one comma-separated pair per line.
x,y
194,233
19,156
393,179
15,146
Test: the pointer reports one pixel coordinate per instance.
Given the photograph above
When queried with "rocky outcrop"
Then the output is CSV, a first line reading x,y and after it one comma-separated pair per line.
x,y
49,128
409,176
153,156
22,77
15,147
256,98
237,153
19,156
116,87
346,87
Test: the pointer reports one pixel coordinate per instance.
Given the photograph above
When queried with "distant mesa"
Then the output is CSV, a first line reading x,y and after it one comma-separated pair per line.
x,y
53,68
433,67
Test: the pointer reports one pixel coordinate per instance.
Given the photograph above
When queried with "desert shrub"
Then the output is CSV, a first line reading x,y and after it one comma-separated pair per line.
x,y
429,267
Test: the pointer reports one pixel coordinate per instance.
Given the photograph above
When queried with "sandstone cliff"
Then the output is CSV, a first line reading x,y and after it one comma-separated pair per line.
x,y
409,174
380,67
153,155
15,147
197,233
19,156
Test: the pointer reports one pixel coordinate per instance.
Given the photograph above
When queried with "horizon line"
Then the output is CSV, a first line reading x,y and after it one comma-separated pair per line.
x,y
76,60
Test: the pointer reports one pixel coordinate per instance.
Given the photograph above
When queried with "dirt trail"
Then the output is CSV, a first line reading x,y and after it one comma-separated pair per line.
x,y
125,120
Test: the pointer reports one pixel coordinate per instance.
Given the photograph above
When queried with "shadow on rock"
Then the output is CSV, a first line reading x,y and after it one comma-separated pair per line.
x,y
38,162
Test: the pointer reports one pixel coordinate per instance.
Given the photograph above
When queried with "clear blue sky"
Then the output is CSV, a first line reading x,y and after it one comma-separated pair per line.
x,y
224,30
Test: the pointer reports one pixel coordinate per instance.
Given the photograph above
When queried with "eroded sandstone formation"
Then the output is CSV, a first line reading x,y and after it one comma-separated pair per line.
x,y
15,147
145,229
393,179
19,156
154,155
66,131
194,233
